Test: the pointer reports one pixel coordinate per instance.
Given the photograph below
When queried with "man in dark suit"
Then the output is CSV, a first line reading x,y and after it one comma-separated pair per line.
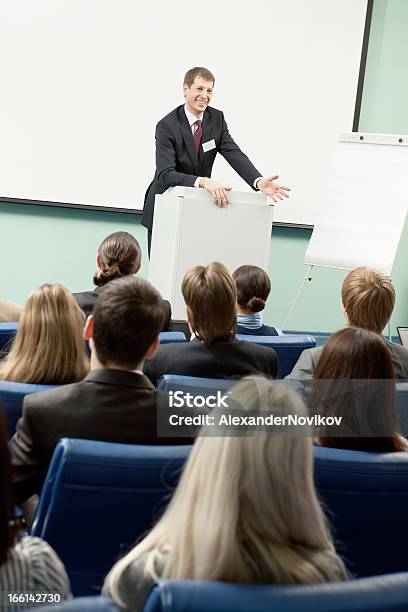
x,y
187,141
210,295
114,403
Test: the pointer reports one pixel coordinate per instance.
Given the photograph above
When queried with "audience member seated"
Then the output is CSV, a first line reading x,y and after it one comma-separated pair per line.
x,y
368,299
9,312
118,255
48,348
114,403
253,288
354,380
26,564
210,296
245,511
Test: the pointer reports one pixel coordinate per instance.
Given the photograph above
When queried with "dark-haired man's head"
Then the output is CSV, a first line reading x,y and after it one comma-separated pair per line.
x,y
119,254
210,296
125,325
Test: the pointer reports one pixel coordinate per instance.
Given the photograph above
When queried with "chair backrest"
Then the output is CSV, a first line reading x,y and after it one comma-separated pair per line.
x,y
194,384
98,498
12,395
83,604
288,348
208,386
365,496
402,404
320,337
172,336
7,333
380,593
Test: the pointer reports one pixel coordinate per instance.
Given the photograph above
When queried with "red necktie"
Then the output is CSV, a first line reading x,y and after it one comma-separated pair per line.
x,y
198,134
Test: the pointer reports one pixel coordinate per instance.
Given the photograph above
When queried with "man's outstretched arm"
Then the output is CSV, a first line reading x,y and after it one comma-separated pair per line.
x,y
246,170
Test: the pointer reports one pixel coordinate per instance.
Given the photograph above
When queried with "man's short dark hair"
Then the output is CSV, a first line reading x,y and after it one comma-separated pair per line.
x,y
198,71
128,317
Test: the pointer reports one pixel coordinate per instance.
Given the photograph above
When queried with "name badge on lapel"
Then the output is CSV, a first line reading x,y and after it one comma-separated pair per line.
x,y
207,146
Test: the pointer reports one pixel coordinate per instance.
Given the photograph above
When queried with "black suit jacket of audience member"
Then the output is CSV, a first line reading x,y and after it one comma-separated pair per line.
x,y
86,301
177,160
223,359
108,405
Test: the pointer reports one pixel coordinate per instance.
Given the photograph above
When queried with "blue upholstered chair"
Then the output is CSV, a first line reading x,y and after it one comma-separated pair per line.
x,y
194,384
83,604
98,498
7,333
12,395
320,337
402,403
378,594
172,336
207,386
366,499
9,330
288,348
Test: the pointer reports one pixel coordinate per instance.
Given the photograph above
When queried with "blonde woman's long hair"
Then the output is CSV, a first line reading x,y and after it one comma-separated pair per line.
x,y
245,509
48,347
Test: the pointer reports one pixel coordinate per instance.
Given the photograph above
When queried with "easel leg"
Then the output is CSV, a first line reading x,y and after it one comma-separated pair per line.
x,y
308,276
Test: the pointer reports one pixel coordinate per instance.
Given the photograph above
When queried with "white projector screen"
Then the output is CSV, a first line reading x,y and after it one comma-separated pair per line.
x,y
84,83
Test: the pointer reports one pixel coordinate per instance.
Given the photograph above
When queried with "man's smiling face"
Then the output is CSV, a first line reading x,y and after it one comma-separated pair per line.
x,y
198,96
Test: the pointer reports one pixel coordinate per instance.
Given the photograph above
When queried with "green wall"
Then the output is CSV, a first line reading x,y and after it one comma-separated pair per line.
x,y
58,245
40,244
385,95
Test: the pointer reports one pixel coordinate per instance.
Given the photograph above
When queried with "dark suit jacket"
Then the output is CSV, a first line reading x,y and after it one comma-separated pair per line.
x,y
177,162
223,359
86,301
108,405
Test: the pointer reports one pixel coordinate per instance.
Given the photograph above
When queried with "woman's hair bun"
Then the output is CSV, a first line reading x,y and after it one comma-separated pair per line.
x,y
256,304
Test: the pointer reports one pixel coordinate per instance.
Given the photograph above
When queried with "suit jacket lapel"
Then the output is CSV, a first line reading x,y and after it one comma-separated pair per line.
x,y
188,137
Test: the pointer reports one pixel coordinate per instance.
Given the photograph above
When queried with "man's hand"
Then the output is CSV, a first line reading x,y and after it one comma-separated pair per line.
x,y
272,189
219,192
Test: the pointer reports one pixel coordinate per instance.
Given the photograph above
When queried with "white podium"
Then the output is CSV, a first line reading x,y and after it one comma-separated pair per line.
x,y
190,230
